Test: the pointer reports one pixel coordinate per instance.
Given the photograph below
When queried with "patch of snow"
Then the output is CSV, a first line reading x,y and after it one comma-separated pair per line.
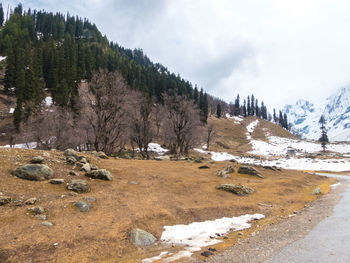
x,y
155,147
12,110
239,119
196,235
29,145
150,260
309,164
48,101
250,128
2,58
333,186
278,146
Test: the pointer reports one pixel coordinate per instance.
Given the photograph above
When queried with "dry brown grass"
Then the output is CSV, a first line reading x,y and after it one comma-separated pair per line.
x,y
167,193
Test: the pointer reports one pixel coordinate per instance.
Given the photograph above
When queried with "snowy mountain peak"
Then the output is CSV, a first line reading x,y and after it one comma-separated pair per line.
x,y
304,116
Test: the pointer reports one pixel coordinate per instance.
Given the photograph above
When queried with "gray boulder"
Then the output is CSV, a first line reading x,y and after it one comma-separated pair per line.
x,y
83,206
31,201
317,191
38,210
86,168
46,223
34,172
41,217
79,186
37,159
249,170
237,189
5,200
102,174
204,167
225,172
71,160
139,237
56,181
73,173
70,152
102,155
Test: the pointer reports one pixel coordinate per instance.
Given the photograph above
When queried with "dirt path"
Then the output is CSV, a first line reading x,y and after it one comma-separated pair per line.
x,y
279,240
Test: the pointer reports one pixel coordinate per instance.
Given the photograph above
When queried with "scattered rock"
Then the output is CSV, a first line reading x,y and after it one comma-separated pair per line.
x,y
90,199
56,181
38,210
46,155
83,206
133,182
204,167
46,223
31,201
237,189
73,173
83,160
5,200
71,160
38,160
93,167
139,237
86,168
225,172
34,172
101,155
197,161
207,253
317,191
273,168
70,152
249,170
162,158
79,186
102,174
212,249
41,217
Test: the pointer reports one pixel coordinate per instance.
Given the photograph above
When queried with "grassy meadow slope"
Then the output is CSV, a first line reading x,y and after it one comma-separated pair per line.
x,y
143,194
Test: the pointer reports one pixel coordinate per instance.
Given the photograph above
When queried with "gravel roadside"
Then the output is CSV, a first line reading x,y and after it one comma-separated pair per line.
x,y
264,244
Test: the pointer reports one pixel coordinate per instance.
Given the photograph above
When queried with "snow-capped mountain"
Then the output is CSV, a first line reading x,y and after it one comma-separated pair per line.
x,y
304,117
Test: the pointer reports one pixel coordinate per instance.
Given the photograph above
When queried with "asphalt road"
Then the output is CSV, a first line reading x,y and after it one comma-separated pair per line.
x,y
328,242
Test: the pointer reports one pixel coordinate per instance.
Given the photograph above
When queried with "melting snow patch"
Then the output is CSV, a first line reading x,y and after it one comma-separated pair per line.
x,y
2,58
333,186
217,156
250,128
48,101
29,145
12,110
202,234
150,260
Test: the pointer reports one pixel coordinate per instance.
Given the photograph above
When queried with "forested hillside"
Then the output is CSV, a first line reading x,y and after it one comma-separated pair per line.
x,y
53,52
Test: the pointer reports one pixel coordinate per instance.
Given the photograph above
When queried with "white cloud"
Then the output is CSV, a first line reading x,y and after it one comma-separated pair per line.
x,y
279,50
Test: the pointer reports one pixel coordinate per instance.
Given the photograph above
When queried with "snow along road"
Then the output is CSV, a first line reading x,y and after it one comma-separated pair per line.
x,y
318,233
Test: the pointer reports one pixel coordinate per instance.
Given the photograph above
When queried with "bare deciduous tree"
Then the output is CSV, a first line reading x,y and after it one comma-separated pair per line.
x,y
211,134
181,125
104,105
141,129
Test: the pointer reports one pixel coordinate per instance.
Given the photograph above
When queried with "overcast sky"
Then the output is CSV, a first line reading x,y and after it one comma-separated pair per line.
x,y
280,50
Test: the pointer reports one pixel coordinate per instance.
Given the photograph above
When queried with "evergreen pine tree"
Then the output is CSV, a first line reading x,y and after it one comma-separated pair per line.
x,y
17,114
252,107
1,15
324,138
195,95
201,100
257,110
244,109
218,110
249,113
274,116
280,119
205,107
285,121
237,106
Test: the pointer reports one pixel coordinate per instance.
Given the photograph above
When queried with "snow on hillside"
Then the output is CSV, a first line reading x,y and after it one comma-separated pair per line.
x,y
304,117
2,58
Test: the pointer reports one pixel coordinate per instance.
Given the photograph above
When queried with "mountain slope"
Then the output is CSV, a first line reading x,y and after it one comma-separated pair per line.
x,y
304,116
